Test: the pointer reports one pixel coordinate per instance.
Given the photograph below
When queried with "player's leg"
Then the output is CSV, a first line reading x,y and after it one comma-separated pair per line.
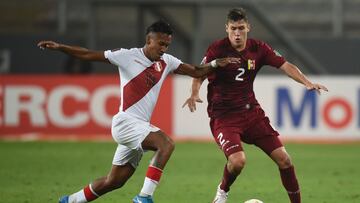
x,y
115,179
124,164
163,147
266,138
228,139
287,173
232,169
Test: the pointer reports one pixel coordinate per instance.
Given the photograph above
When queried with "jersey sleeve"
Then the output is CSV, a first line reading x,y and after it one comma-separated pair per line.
x,y
174,62
209,55
271,57
116,57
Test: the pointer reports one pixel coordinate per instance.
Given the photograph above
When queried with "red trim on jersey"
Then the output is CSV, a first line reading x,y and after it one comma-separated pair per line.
x,y
139,86
154,173
89,195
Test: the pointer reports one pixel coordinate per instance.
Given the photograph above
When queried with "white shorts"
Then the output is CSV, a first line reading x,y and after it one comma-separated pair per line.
x,y
129,132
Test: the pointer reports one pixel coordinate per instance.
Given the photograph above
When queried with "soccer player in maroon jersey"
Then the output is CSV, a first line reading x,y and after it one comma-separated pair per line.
x,y
235,114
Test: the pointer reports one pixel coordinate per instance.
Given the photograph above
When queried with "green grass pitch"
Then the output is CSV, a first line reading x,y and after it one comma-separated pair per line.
x,y
40,172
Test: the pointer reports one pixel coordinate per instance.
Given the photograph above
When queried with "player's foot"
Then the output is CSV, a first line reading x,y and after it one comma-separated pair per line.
x,y
221,196
140,199
64,199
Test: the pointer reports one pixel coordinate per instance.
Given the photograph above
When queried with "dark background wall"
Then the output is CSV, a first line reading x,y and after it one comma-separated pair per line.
x,y
326,31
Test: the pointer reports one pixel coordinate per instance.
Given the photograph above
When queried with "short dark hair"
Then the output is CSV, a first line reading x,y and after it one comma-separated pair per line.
x,y
237,14
160,26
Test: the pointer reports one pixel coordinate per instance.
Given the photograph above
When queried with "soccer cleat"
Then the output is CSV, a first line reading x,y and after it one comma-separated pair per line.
x,y
221,196
64,199
140,199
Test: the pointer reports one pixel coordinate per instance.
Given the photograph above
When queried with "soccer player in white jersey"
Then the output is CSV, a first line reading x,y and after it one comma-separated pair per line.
x,y
142,72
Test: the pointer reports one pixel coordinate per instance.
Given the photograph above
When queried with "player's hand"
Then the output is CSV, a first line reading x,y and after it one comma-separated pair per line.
x,y
316,87
191,103
48,45
222,62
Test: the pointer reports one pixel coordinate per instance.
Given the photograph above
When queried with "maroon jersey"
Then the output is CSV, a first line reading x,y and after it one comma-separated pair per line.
x,y
230,88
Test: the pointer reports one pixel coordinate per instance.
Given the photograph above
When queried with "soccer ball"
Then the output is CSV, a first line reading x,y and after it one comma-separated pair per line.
x,y
253,201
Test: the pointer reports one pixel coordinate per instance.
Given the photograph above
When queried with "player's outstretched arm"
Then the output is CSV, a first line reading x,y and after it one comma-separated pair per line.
x,y
195,87
204,69
75,51
293,72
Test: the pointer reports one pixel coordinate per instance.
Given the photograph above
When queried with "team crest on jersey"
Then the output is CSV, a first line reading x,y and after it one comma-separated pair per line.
x,y
158,66
251,64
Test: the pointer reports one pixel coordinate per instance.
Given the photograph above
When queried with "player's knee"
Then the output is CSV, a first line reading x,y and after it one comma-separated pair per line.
x,y
284,162
171,145
168,146
236,163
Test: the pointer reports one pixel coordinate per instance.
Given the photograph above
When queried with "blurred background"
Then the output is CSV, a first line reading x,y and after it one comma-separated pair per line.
x,y
321,36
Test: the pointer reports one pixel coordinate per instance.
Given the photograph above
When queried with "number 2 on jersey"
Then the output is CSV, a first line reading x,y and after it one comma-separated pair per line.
x,y
238,76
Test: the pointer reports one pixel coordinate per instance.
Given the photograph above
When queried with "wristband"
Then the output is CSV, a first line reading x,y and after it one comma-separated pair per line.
x,y
213,64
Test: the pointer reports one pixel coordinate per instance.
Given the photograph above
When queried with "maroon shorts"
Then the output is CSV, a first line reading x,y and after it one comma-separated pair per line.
x,y
250,126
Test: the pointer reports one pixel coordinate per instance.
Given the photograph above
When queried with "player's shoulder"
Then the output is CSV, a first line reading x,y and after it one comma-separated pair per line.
x,y
167,56
255,45
171,59
132,50
219,47
255,41
121,50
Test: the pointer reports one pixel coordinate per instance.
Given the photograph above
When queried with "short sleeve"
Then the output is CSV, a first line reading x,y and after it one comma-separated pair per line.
x,y
271,57
116,57
173,62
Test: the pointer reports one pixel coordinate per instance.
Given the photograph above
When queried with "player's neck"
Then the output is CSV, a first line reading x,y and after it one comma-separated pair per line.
x,y
240,48
146,53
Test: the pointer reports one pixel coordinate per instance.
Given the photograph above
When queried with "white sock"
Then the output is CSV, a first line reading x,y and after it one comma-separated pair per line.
x,y
148,187
78,197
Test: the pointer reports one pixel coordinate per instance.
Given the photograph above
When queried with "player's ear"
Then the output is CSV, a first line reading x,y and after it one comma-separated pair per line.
x,y
148,37
248,27
226,27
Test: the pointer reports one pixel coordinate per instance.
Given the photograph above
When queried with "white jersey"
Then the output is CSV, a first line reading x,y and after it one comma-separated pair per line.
x,y
140,79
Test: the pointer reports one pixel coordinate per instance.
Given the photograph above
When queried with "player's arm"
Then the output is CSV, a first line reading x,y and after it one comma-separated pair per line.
x,y
293,72
75,51
195,89
197,71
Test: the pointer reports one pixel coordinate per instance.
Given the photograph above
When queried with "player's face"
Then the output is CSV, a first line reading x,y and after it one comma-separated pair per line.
x,y
237,32
157,45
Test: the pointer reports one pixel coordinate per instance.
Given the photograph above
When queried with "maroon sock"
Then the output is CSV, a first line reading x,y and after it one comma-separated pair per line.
x,y
228,180
290,183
